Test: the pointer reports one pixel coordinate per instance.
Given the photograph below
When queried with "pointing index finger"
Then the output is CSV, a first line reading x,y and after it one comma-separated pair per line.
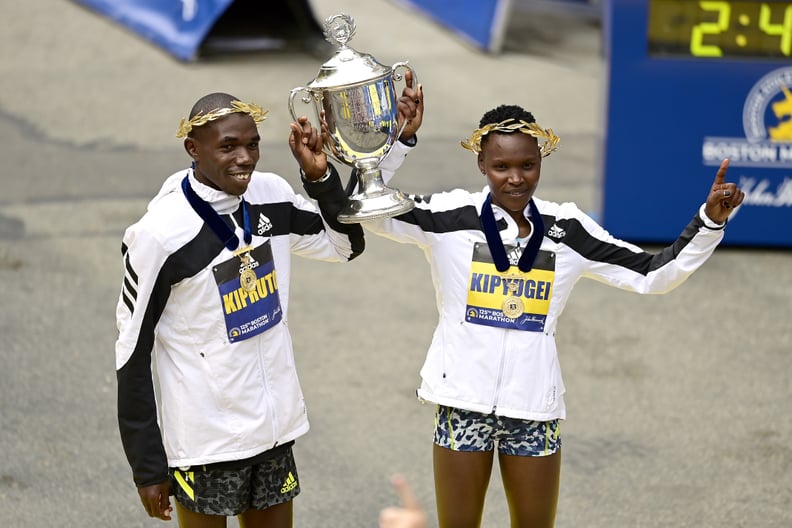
x,y
720,176
406,495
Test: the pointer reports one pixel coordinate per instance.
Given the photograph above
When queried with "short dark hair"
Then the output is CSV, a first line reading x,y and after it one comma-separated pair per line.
x,y
209,103
504,112
212,101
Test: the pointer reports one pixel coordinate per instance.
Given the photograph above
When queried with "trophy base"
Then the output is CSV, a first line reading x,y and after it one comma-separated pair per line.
x,y
362,207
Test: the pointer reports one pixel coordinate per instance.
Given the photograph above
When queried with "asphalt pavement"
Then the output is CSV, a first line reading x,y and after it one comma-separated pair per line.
x,y
678,405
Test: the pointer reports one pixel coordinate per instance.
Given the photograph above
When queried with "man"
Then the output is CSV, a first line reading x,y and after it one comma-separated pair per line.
x,y
209,403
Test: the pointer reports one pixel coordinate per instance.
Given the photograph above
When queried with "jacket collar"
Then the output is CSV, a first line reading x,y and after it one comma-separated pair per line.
x,y
506,224
221,201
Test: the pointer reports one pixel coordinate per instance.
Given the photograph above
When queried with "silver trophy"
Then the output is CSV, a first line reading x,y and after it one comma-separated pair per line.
x,y
357,97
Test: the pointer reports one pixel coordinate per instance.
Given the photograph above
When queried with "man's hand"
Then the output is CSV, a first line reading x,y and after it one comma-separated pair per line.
x,y
306,145
156,500
723,196
411,108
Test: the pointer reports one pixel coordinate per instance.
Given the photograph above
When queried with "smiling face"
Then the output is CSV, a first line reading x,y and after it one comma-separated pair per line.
x,y
511,162
225,152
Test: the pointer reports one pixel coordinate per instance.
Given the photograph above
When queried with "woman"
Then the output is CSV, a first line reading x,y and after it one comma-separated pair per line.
x,y
503,264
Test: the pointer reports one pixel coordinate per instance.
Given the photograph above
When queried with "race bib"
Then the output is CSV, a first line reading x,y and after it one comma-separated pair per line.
x,y
249,292
509,299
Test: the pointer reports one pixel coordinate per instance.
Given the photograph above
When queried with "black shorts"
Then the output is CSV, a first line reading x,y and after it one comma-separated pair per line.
x,y
233,488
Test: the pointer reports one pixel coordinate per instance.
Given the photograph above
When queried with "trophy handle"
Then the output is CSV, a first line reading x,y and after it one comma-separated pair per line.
x,y
292,94
329,147
398,77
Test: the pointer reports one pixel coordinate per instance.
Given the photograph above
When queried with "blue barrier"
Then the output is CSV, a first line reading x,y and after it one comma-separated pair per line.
x,y
178,27
484,22
187,29
480,22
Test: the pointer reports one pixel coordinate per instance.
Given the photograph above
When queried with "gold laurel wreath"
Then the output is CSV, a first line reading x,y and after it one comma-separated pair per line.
x,y
473,143
255,111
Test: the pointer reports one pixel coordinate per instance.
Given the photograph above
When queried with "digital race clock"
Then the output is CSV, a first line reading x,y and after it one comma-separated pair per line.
x,y
690,82
720,28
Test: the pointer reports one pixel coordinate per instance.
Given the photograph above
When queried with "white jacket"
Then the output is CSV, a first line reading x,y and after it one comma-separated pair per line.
x,y
218,397
513,372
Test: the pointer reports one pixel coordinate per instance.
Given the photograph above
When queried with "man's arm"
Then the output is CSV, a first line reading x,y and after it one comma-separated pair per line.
x,y
140,303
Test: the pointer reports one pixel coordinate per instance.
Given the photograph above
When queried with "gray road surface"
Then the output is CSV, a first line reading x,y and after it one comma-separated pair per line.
x,y
679,412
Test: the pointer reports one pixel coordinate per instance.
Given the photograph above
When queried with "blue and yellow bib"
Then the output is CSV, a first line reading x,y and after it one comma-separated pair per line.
x,y
511,299
249,292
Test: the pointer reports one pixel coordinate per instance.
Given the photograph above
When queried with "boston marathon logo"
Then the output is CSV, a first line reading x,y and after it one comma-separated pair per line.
x,y
767,122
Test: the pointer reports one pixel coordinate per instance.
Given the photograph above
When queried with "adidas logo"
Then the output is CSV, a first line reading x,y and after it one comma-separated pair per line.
x,y
289,484
264,224
249,263
514,255
556,232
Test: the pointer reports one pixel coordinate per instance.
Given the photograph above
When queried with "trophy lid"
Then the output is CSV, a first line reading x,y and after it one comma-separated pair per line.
x,y
347,66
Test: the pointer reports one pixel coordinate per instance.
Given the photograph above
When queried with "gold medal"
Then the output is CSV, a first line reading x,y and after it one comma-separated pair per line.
x,y
247,277
513,306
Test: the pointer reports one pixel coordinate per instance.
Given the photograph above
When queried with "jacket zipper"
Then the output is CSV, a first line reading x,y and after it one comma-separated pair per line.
x,y
500,372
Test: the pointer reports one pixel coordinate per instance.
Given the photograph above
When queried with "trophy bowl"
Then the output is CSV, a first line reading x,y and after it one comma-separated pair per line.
x,y
354,97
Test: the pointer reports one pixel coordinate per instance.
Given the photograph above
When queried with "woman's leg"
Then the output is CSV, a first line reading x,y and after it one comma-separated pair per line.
x,y
461,480
531,485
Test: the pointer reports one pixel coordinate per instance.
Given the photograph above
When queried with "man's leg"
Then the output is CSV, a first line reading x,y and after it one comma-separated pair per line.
x,y
278,516
274,486
190,519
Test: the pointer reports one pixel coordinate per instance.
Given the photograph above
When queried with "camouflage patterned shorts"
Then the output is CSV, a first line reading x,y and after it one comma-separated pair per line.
x,y
462,430
220,491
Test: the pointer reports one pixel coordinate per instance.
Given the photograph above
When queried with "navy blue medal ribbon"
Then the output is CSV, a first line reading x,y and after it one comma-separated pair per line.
x,y
495,242
219,226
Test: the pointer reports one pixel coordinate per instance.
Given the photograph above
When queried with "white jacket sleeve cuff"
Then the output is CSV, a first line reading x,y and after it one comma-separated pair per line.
x,y
394,160
708,222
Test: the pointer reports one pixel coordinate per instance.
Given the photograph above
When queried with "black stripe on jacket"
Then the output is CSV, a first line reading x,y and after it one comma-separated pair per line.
x,y
576,237
594,249
456,219
137,408
332,198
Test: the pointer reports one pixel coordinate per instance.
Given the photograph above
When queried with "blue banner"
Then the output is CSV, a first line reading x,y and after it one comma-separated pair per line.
x,y
178,26
478,21
485,22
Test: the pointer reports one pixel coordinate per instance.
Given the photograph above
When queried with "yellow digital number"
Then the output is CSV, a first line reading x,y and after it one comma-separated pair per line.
x,y
702,29
783,29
